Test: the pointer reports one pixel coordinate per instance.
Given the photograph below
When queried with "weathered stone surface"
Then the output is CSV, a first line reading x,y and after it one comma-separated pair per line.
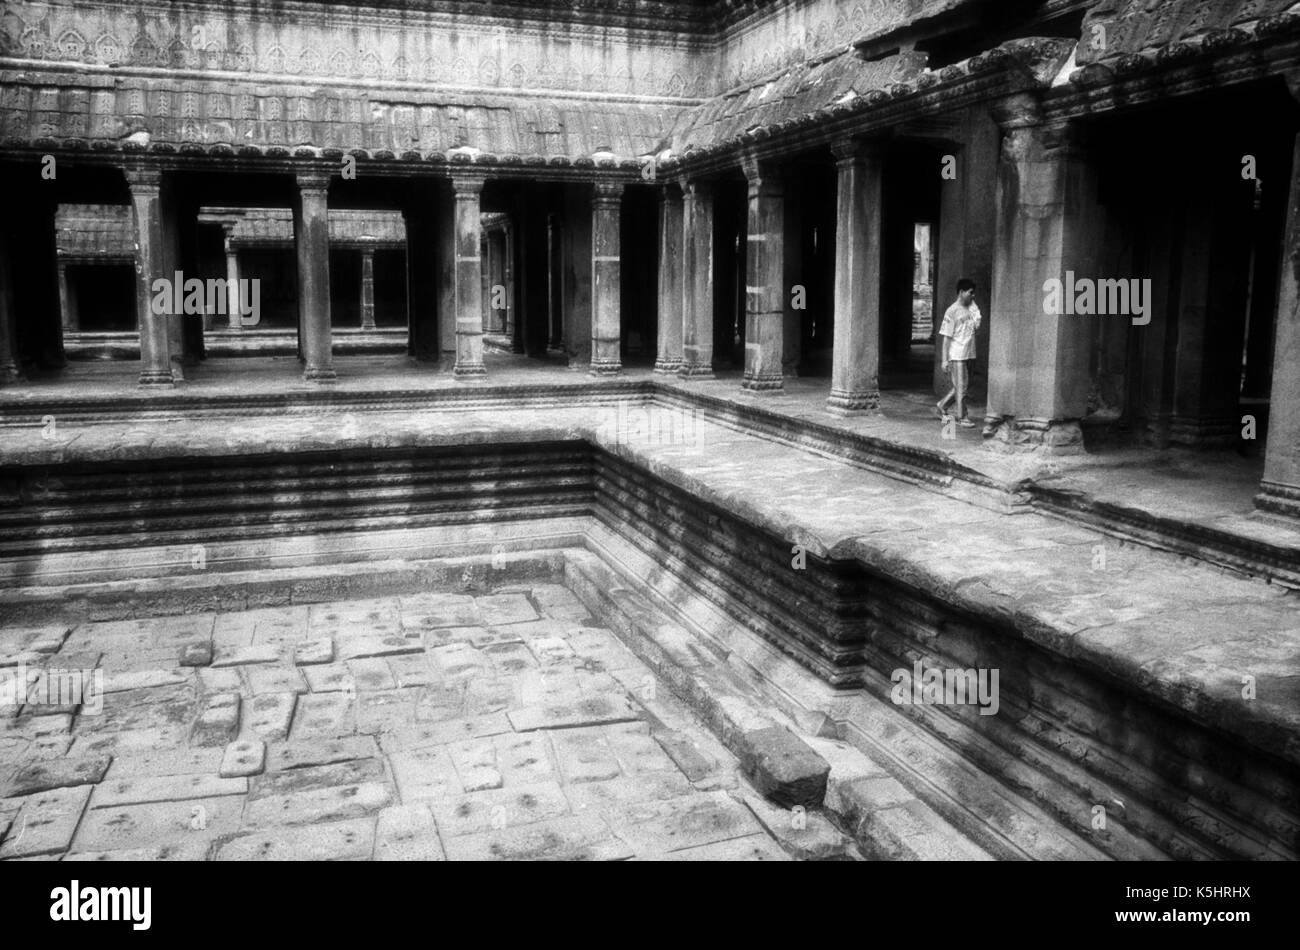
x,y
184,829
324,716
342,841
309,652
581,838
783,767
360,646
218,721
274,679
144,679
806,835
296,755
584,755
270,715
56,773
425,773
115,793
45,823
694,764
196,654
319,805
501,609
407,833
498,809
243,656
592,710
243,758
673,824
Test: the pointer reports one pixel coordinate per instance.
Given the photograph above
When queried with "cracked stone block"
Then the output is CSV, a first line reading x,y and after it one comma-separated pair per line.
x,y
310,652
783,767
218,723
196,654
243,758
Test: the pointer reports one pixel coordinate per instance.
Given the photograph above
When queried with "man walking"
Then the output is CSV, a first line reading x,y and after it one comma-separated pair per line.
x,y
957,349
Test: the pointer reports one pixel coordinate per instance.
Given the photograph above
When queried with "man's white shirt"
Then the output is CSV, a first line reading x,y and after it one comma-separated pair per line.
x,y
960,323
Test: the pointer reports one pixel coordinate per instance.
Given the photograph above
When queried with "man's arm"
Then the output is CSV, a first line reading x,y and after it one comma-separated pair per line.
x,y
943,350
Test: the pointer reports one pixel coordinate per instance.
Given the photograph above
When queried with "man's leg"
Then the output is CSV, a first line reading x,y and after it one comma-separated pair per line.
x,y
942,404
959,386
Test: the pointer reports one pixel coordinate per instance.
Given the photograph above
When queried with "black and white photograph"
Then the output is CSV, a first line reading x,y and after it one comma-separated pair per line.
x,y
649,431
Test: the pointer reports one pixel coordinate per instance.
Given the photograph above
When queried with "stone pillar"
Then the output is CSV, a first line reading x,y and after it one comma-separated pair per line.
x,y
312,236
234,302
578,272
855,357
606,320
1280,489
9,370
150,264
1047,224
71,319
469,278
764,279
697,280
669,359
507,278
367,288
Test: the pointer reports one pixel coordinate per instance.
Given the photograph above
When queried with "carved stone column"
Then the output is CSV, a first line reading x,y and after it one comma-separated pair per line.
x,y
764,279
606,318
469,278
669,359
367,288
312,235
855,359
697,280
150,265
234,301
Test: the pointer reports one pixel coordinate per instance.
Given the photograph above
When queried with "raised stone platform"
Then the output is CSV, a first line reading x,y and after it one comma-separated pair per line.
x,y
1121,681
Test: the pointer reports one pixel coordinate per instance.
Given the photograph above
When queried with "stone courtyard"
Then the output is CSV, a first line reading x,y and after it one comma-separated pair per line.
x,y
425,727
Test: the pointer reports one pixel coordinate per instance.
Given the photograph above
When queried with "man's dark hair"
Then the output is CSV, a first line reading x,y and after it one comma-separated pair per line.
x,y
965,284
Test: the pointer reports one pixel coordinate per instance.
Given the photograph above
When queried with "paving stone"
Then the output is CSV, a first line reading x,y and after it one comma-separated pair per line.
x,y
296,755
699,819
310,652
610,796
270,715
45,823
497,809
342,841
501,609
383,712
441,702
33,727
162,761
48,774
242,758
592,710
783,767
584,755
323,716
186,828
636,751
692,762
28,658
357,647
274,679
509,659
418,735
603,648
558,602
913,831
243,656
335,678
553,651
412,670
574,838
144,679
126,854
458,660
218,722
220,681
196,654
131,742
407,833
317,805
806,835
424,773
476,764
371,674
307,778
524,759
141,790
751,848
429,611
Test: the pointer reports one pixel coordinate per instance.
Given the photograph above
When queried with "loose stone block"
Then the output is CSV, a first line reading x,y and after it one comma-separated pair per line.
x,y
806,835
407,833
218,722
243,758
308,652
57,773
346,840
196,654
324,716
270,715
783,767
243,656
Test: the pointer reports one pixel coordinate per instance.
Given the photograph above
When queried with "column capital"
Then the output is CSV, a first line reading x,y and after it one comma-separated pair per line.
x,y
669,191
849,150
143,177
1020,111
607,193
764,176
313,182
468,186
695,187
